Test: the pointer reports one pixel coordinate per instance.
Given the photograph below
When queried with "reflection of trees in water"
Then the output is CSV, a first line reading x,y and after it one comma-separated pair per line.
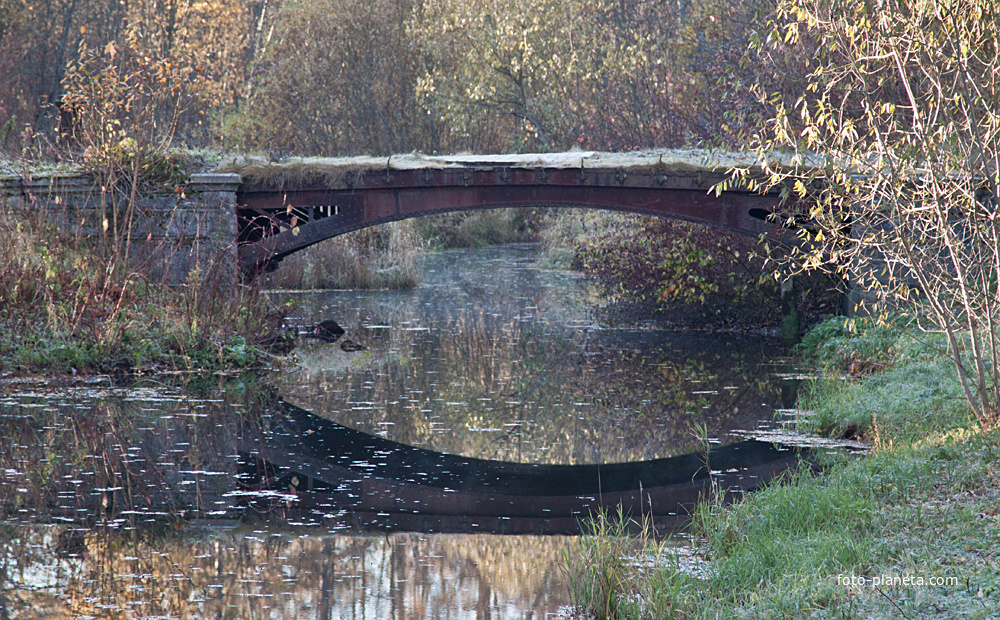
x,y
134,459
659,394
430,387
497,371
94,482
244,573
123,456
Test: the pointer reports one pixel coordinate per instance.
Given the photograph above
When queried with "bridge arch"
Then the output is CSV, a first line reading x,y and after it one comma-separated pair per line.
x,y
278,218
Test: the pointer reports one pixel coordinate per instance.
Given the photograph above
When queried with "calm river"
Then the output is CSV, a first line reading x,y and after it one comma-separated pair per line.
x,y
130,501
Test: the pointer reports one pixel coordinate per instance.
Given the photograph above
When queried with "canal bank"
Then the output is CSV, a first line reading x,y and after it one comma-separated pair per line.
x,y
911,530
71,305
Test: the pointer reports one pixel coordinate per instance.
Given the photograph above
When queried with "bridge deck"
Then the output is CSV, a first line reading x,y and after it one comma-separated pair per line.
x,y
261,173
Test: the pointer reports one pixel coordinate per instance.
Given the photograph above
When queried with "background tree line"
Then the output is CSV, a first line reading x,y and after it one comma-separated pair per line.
x,y
382,76
111,85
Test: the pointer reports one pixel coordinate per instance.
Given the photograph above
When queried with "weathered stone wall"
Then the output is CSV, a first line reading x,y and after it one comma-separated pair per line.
x,y
185,236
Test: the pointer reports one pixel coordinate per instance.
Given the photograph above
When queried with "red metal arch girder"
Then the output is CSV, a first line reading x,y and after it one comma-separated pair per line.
x,y
403,194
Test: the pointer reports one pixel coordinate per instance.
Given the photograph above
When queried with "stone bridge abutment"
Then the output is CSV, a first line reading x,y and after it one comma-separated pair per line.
x,y
171,236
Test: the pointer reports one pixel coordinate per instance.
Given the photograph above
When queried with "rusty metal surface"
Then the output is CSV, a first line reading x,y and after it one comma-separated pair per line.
x,y
277,222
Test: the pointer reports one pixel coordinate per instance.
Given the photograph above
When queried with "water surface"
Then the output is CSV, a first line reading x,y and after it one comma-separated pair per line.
x,y
125,501
494,357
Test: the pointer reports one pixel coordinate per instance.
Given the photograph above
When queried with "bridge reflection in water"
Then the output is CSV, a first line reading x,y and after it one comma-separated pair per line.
x,y
309,469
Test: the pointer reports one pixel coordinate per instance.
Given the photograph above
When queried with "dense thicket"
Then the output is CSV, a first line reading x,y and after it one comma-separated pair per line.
x,y
207,47
383,76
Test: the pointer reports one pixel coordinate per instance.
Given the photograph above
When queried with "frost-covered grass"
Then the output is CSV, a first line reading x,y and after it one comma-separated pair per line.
x,y
880,376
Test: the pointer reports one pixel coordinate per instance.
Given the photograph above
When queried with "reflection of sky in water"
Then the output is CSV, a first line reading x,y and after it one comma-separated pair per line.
x,y
492,357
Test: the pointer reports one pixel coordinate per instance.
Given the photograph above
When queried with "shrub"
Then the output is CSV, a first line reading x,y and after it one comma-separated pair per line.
x,y
654,259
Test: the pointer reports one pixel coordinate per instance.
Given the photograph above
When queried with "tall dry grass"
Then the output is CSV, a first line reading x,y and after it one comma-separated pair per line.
x,y
566,232
69,303
383,256
476,229
386,256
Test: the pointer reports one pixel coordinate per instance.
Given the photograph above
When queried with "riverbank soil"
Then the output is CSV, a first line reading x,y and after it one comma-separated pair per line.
x,y
910,530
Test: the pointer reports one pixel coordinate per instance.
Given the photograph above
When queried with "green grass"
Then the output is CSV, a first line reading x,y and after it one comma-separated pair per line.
x,y
880,375
924,504
838,343
905,402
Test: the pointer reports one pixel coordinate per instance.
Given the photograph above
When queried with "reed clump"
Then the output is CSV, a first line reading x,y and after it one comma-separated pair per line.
x,y
383,256
476,229
71,305
621,569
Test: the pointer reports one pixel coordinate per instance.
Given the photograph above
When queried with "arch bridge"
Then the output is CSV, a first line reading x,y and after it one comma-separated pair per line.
x,y
283,207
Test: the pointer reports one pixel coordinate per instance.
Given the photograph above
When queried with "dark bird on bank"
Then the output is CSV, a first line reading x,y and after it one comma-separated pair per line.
x,y
350,345
327,331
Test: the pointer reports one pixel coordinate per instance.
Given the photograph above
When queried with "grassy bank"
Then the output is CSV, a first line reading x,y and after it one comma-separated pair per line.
x,y
909,531
70,306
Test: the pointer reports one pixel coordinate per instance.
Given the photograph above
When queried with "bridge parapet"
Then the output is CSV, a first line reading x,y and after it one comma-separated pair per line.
x,y
261,173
